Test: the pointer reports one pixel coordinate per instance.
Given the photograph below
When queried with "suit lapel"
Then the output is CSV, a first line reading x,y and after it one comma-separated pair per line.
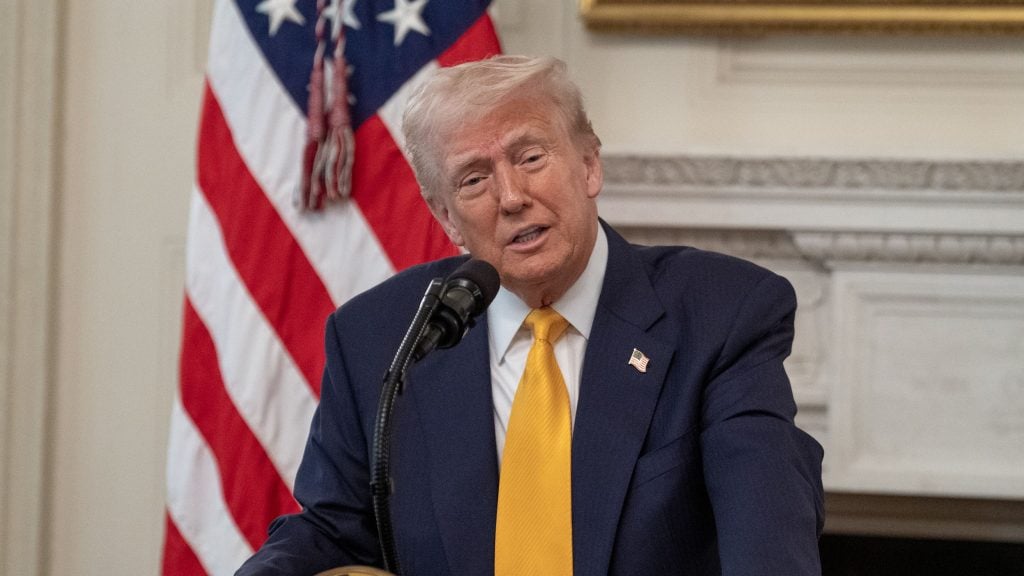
x,y
615,405
452,393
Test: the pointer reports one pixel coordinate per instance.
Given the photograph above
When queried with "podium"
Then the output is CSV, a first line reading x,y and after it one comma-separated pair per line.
x,y
355,571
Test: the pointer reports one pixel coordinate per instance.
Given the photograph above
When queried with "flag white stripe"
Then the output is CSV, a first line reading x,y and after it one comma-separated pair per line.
x,y
265,385
391,112
247,89
195,500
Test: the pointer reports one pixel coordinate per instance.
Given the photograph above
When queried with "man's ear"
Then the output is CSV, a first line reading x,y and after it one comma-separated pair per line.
x,y
595,172
440,212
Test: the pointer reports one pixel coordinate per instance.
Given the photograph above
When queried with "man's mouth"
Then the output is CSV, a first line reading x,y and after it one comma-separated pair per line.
x,y
528,235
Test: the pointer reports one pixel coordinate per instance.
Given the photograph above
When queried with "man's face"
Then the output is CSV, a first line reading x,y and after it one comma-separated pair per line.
x,y
518,192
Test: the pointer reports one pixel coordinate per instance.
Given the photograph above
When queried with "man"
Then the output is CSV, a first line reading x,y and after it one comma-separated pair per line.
x,y
683,457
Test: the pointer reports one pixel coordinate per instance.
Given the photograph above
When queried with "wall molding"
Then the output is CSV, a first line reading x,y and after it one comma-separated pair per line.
x,y
828,247
924,517
29,116
653,187
188,39
897,62
961,198
838,176
747,244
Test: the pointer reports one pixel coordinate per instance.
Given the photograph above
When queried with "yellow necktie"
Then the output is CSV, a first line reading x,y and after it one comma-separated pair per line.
x,y
533,535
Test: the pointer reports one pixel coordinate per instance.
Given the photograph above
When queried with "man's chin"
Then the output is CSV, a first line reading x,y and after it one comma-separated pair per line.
x,y
534,283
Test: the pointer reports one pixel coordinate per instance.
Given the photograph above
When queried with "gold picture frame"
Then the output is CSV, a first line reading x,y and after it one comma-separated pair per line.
x,y
764,16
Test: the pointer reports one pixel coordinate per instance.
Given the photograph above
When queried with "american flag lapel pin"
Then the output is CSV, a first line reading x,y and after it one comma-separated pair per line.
x,y
639,361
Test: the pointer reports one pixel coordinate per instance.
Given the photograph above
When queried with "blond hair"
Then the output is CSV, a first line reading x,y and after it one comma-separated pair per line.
x,y
454,96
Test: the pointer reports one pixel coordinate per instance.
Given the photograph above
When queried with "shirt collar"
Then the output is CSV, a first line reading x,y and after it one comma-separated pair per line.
x,y
578,305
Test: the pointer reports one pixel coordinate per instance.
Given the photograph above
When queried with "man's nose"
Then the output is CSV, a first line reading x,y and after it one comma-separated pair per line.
x,y
513,195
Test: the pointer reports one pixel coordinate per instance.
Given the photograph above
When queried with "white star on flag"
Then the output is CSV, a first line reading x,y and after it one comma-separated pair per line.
x,y
348,16
278,11
405,16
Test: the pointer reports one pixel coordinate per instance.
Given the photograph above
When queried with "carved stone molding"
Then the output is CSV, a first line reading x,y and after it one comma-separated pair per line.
x,y
923,248
821,248
920,211
817,173
747,244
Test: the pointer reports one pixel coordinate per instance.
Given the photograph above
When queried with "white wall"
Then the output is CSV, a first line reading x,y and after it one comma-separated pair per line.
x,y
838,96
131,83
116,158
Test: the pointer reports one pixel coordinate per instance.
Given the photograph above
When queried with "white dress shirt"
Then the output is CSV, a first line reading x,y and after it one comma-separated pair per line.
x,y
510,341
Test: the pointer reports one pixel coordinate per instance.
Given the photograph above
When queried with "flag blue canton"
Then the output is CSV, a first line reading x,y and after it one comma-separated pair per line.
x,y
379,67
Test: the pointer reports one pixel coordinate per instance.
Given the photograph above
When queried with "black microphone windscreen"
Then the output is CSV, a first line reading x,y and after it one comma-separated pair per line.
x,y
483,275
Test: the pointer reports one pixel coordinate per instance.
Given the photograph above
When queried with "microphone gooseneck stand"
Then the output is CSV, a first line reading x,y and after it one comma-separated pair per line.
x,y
445,314
394,379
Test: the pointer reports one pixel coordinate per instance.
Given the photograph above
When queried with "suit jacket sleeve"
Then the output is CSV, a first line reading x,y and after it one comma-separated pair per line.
x,y
763,474
336,525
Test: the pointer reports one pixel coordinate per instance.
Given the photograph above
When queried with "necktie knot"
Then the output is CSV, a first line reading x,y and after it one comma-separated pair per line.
x,y
546,324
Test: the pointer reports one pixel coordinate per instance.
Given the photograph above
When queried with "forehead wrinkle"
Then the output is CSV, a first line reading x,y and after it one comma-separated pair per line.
x,y
523,138
516,139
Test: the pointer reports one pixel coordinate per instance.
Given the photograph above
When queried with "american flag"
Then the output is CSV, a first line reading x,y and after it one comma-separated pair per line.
x,y
262,273
638,360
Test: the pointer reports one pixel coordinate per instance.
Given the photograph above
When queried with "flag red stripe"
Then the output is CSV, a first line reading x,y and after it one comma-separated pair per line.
x,y
269,260
384,187
479,41
253,489
179,559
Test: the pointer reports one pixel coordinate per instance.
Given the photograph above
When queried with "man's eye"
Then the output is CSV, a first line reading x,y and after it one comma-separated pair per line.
x,y
533,158
472,181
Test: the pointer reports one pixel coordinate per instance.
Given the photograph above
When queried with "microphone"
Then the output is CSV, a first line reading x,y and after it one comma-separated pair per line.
x,y
467,292
444,316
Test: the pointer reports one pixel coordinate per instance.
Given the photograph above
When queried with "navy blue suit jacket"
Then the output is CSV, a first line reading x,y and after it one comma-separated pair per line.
x,y
694,467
